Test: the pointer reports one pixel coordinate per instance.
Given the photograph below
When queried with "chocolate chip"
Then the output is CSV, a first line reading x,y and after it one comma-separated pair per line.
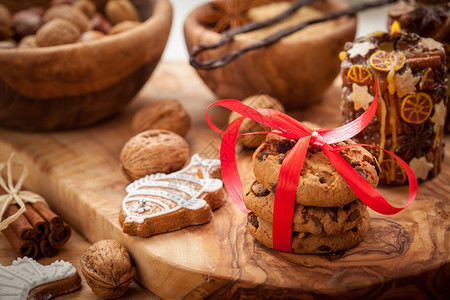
x,y
361,172
253,219
347,207
316,222
324,248
353,216
284,146
259,190
321,178
333,213
262,155
355,164
281,158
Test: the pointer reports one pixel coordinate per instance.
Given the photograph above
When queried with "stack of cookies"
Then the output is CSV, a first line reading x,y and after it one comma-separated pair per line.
x,y
328,216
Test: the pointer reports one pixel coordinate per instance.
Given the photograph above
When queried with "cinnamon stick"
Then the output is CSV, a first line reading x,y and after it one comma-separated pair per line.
x,y
59,238
21,226
423,62
55,222
47,249
22,247
40,225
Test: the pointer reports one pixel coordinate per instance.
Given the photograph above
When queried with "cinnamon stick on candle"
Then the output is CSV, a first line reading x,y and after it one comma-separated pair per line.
x,y
21,226
55,222
40,225
22,247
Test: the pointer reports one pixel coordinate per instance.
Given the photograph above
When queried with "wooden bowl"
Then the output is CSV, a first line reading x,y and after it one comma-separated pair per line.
x,y
295,71
76,85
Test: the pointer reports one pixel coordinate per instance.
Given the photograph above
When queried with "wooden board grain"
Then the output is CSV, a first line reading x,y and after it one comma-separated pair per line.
x,y
78,172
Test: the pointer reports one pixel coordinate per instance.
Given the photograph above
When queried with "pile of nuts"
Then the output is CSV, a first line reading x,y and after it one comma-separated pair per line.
x,y
65,22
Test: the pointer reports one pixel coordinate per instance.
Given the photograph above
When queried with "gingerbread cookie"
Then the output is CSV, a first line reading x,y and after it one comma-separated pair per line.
x,y
28,279
161,202
311,219
308,243
320,183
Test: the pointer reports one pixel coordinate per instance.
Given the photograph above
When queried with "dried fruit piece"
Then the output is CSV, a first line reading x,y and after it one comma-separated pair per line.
x,y
416,108
359,74
386,61
392,172
427,79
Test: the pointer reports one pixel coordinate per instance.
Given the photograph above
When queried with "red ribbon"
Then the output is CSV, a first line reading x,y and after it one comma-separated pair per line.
x,y
292,164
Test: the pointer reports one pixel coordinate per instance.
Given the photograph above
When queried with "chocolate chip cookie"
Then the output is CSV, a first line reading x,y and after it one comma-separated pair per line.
x,y
308,243
310,219
320,183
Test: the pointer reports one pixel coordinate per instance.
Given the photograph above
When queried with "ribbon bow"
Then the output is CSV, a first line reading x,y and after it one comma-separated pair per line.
x,y
13,193
292,164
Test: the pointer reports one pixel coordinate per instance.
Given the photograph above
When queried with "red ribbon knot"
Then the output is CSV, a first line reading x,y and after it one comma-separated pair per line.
x,y
291,167
317,139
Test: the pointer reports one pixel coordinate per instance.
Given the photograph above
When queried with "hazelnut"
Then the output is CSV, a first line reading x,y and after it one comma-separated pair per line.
x,y
59,2
248,125
57,32
26,22
91,35
121,10
28,42
167,114
86,6
123,26
69,13
100,23
5,22
153,151
107,268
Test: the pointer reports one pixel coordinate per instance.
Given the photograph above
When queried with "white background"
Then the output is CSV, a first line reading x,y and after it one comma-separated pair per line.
x,y
368,22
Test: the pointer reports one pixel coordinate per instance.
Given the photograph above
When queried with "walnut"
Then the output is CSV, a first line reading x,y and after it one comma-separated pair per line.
x,y
248,125
69,13
57,32
107,268
121,10
153,151
167,114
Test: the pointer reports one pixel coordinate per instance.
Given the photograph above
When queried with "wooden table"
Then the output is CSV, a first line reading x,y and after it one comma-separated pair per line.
x,y
78,173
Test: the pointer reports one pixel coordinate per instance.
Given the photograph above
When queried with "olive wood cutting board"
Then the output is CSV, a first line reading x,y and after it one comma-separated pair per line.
x,y
78,172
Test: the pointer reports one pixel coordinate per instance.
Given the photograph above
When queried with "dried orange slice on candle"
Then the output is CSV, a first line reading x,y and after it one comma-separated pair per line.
x,y
392,172
416,108
427,79
386,61
359,75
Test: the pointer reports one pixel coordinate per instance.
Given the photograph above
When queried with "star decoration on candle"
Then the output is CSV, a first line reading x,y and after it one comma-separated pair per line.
x,y
360,49
360,97
431,44
440,111
421,167
406,83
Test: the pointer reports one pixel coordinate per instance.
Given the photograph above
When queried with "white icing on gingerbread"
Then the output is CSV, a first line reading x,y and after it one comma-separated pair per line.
x,y
24,274
159,194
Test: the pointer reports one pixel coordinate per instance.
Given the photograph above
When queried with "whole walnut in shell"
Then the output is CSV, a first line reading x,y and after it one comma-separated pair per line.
x,y
167,114
57,32
69,13
153,151
107,268
248,125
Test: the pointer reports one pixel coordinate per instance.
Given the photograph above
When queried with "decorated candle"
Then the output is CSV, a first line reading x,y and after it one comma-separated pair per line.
x,y
427,18
412,86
